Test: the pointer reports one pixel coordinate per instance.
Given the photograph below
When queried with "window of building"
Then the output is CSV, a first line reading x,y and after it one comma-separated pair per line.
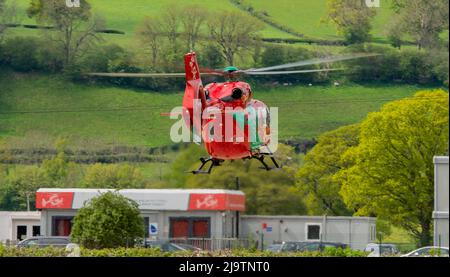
x,y
373,234
313,231
62,225
36,230
147,226
21,232
190,228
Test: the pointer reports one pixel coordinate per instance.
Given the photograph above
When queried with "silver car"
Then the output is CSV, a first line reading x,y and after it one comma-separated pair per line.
x,y
42,242
380,250
429,251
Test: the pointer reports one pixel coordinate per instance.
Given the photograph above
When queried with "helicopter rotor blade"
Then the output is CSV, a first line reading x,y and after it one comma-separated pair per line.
x,y
137,75
145,75
314,62
291,72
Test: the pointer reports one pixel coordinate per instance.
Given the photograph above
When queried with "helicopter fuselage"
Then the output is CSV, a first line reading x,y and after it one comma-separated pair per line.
x,y
234,125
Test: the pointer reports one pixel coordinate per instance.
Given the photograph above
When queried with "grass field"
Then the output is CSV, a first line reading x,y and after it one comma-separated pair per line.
x,y
303,16
306,16
126,16
49,106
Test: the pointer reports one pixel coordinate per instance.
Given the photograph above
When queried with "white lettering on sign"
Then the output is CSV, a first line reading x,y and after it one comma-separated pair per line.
x,y
52,201
208,202
73,3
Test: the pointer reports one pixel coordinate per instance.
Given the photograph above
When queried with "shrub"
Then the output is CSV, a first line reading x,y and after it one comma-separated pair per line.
x,y
32,252
26,54
154,252
281,54
21,53
98,60
394,65
107,221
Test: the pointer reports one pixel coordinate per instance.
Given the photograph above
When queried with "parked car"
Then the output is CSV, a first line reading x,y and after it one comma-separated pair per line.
x,y
44,242
429,251
310,246
274,248
167,246
380,250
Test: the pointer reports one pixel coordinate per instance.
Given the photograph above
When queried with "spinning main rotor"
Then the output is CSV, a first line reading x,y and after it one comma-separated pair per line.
x,y
231,72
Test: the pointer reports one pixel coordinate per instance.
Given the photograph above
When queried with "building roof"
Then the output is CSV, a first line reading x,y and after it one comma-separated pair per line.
x,y
21,215
143,191
441,160
147,199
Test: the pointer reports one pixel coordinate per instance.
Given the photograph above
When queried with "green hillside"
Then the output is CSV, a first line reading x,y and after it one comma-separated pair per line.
x,y
126,16
303,16
306,16
36,107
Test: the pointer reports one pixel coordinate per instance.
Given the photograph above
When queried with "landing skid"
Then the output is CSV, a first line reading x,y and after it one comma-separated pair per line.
x,y
265,165
212,163
216,162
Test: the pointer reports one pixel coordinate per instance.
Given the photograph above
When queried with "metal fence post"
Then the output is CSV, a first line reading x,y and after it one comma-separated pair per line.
x,y
262,241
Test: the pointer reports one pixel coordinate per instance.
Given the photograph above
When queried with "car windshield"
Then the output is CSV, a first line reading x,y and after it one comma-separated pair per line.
x,y
274,247
29,242
289,246
387,249
311,247
55,241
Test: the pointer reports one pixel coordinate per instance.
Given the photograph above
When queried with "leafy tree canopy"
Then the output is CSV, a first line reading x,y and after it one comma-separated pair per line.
x,y
316,178
108,221
392,172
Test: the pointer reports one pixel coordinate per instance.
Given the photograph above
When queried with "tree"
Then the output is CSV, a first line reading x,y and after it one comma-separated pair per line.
x,y
193,18
113,176
150,33
352,19
211,56
171,23
107,221
19,186
234,32
58,171
423,20
384,229
316,178
391,172
395,33
75,30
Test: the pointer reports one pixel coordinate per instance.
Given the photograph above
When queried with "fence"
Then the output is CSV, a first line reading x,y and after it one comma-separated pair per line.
x,y
214,244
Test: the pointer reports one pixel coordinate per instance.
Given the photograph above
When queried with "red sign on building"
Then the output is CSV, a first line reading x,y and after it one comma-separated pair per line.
x,y
217,202
54,200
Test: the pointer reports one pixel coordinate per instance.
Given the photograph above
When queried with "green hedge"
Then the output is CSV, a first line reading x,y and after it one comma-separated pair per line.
x,y
153,252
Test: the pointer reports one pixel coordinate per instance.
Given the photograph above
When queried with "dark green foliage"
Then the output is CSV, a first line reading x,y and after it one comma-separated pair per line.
x,y
273,54
211,57
108,221
402,66
316,178
22,53
101,58
26,54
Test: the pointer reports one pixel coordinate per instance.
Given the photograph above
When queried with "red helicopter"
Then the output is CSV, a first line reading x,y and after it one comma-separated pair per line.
x,y
232,124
